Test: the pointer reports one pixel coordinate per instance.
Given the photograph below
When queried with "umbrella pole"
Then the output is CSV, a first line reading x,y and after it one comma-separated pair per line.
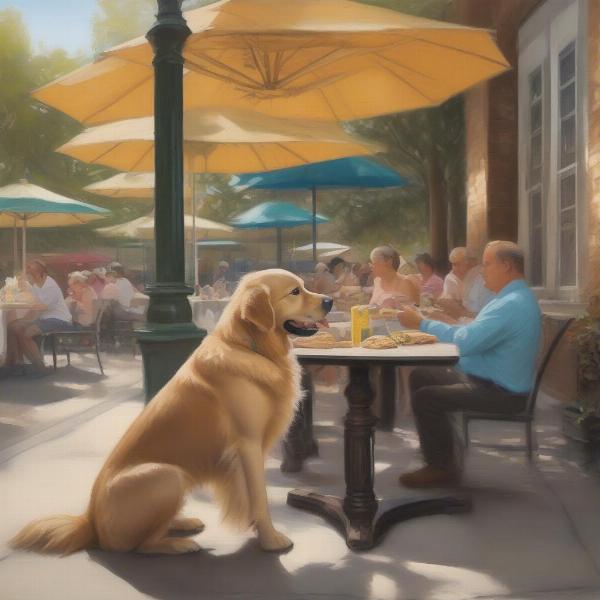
x,y
145,277
314,225
279,247
24,249
15,245
194,240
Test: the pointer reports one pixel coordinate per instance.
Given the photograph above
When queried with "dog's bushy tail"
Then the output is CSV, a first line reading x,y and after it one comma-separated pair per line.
x,y
60,534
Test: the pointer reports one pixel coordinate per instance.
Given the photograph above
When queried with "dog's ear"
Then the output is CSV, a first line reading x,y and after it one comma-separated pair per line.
x,y
256,308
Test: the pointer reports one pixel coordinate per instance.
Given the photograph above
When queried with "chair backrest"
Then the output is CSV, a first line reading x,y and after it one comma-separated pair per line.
x,y
101,306
555,340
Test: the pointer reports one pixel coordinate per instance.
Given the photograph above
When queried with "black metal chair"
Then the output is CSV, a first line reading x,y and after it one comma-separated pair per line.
x,y
527,415
82,340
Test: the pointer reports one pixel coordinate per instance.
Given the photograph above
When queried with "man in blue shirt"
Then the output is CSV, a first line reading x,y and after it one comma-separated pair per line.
x,y
498,351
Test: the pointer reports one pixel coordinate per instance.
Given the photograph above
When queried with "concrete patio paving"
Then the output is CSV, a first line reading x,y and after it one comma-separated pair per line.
x,y
534,531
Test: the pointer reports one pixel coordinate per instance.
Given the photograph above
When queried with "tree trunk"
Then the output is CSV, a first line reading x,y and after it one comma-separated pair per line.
x,y
438,209
456,221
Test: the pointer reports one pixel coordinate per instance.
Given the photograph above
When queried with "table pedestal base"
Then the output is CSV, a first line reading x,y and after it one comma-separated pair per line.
x,y
363,531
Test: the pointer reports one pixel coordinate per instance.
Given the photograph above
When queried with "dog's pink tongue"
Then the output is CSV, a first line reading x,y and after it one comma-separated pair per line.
x,y
323,323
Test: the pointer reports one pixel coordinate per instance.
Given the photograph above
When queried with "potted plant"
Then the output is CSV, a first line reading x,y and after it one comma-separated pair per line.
x,y
582,419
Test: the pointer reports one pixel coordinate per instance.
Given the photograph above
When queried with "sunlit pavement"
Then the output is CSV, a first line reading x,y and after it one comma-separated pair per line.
x,y
534,531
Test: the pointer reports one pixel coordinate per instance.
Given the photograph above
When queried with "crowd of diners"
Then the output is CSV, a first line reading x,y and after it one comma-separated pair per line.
x,y
388,280
53,311
483,306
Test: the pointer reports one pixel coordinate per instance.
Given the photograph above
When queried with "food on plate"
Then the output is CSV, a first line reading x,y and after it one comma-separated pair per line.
x,y
405,338
379,342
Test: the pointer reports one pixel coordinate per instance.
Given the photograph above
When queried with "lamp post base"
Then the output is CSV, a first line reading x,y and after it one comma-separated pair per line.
x,y
165,347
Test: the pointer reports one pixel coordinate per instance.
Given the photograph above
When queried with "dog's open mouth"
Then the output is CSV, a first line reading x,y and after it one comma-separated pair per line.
x,y
304,328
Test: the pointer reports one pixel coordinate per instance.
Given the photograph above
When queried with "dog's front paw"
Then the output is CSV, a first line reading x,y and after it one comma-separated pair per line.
x,y
275,541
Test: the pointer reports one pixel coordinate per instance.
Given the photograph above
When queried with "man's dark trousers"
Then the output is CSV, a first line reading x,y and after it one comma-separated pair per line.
x,y
436,393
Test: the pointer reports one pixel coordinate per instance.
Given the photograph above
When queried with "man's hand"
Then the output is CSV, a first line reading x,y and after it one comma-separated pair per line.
x,y
438,315
409,318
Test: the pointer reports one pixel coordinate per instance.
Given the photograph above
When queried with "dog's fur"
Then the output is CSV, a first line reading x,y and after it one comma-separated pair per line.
x,y
212,423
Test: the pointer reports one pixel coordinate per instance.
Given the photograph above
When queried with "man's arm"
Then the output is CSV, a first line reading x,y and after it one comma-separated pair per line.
x,y
481,334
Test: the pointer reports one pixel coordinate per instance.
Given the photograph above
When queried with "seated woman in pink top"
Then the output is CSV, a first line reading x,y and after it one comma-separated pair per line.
x,y
431,283
390,289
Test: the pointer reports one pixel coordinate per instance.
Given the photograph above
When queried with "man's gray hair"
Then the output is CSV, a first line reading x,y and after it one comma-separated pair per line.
x,y
77,277
388,254
461,253
457,254
509,252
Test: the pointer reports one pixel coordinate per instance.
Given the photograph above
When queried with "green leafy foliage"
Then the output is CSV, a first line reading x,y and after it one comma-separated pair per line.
x,y
586,338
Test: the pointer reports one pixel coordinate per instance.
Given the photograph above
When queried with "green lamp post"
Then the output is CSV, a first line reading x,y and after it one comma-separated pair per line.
x,y
169,336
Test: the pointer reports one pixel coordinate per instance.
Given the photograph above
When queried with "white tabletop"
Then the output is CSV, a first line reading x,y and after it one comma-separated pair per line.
x,y
18,305
404,354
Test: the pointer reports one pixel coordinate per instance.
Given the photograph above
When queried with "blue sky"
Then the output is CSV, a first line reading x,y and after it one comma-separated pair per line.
x,y
57,23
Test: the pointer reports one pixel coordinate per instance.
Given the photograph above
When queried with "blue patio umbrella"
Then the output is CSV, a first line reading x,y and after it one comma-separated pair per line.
x,y
276,215
218,244
350,172
32,205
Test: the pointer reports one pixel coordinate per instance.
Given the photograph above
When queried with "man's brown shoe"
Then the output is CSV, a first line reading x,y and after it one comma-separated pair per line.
x,y
430,477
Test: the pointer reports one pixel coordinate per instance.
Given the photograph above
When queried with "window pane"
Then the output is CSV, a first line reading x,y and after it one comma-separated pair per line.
x,y
536,116
567,142
535,177
567,247
535,85
535,203
536,275
536,150
567,63
567,100
568,191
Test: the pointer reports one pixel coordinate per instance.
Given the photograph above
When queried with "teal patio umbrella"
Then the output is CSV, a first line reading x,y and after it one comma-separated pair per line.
x,y
351,172
276,215
34,206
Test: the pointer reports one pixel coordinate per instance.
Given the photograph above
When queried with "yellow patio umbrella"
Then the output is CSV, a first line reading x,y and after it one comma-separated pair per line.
x,y
232,141
128,185
143,228
235,141
318,59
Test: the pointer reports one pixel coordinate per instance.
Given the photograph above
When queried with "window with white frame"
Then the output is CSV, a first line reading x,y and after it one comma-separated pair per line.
x,y
567,165
551,137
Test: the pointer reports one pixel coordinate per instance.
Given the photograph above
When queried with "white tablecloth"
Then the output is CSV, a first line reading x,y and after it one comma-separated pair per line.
x,y
412,353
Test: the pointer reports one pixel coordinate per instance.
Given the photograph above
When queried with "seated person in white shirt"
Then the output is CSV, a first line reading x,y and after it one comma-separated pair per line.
x,y
121,290
51,314
464,293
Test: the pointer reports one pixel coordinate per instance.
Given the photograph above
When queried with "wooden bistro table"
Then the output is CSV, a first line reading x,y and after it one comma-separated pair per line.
x,y
359,515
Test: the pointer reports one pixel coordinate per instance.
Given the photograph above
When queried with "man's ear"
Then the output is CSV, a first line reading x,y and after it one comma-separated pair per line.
x,y
256,308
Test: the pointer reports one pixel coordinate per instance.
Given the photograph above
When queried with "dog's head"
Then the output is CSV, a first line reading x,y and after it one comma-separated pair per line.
x,y
276,299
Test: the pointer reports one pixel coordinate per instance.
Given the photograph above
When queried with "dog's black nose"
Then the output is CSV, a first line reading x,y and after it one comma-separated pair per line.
x,y
327,304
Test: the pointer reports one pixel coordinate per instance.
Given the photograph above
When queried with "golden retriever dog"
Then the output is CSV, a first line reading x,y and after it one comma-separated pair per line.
x,y
212,423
